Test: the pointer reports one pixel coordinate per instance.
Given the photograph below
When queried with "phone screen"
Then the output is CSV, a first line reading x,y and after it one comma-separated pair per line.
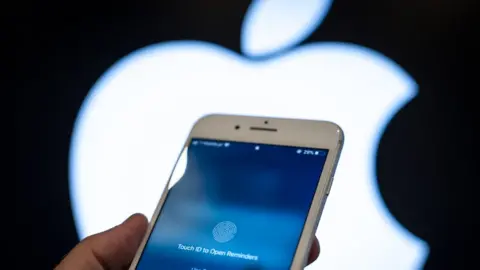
x,y
234,205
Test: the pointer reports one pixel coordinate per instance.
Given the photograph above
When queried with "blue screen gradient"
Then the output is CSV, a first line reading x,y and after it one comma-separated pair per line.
x,y
264,191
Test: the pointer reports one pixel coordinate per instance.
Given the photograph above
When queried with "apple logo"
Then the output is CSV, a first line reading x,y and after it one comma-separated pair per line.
x,y
136,117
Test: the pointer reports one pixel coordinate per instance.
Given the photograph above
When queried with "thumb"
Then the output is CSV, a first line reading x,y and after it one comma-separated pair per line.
x,y
112,249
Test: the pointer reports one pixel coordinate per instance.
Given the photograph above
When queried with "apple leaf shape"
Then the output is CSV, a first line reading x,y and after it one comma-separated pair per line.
x,y
270,26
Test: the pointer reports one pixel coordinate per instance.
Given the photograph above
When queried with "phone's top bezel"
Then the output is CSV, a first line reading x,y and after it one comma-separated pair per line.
x,y
288,132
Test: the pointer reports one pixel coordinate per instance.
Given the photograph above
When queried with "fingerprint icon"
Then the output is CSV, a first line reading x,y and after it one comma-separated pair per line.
x,y
224,231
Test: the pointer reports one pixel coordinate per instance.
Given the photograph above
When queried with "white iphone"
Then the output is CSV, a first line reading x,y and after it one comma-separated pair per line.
x,y
246,193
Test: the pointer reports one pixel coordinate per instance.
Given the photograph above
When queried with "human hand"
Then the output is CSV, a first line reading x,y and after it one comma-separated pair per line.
x,y
115,248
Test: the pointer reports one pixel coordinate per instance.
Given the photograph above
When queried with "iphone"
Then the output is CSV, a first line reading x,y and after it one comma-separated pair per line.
x,y
246,193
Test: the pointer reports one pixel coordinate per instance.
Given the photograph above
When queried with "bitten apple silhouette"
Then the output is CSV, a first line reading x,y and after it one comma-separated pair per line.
x,y
135,119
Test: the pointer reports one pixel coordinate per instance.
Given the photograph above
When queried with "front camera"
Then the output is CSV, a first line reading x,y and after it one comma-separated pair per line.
x,y
237,127
266,122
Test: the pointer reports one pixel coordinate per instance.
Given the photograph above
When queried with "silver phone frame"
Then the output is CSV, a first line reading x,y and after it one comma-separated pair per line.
x,y
290,132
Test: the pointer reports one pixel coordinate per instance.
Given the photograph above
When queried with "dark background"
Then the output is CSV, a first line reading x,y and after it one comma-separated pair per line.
x,y
425,163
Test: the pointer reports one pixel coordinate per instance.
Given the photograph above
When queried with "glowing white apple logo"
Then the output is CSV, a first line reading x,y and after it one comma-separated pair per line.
x,y
130,129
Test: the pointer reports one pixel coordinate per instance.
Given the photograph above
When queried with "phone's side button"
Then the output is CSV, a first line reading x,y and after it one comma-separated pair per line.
x,y
329,186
